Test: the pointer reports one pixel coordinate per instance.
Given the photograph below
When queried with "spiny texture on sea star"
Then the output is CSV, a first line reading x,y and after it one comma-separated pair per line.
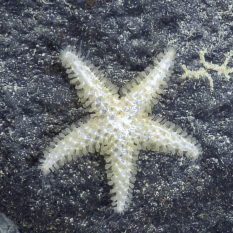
x,y
118,127
202,72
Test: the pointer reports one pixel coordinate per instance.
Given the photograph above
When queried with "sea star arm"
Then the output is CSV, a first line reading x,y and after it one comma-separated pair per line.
x,y
69,144
121,171
146,94
95,91
166,138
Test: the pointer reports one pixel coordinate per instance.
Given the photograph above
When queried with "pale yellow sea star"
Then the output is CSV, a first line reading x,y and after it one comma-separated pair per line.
x,y
118,127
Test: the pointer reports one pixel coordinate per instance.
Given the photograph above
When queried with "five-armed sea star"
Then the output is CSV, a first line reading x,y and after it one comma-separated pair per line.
x,y
119,127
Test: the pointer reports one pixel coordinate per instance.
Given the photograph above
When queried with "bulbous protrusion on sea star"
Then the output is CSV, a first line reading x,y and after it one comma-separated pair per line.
x,y
118,127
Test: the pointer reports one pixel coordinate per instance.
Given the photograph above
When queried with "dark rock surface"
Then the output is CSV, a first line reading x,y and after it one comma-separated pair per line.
x,y
37,103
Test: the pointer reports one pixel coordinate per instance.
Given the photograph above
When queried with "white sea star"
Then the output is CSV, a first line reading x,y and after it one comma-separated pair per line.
x,y
118,128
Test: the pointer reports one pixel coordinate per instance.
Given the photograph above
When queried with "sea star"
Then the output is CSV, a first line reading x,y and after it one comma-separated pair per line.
x,y
118,128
